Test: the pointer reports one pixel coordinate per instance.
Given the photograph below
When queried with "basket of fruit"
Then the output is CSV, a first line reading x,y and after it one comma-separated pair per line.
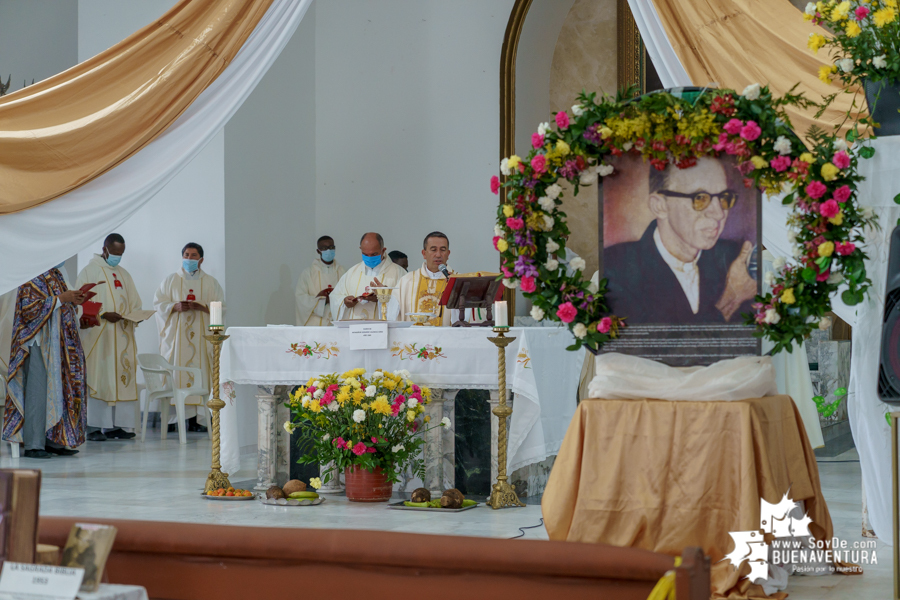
x,y
229,494
451,500
294,493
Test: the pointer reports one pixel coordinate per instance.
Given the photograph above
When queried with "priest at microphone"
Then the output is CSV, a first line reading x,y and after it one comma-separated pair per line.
x,y
421,290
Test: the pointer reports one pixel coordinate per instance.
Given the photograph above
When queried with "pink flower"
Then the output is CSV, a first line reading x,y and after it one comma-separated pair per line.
x,y
604,325
327,399
333,388
539,163
507,272
567,312
751,131
496,239
844,248
374,440
359,449
562,119
339,443
371,450
514,223
723,139
528,284
861,13
746,167
842,194
823,276
537,140
780,164
495,185
829,209
841,159
734,126
816,189
311,389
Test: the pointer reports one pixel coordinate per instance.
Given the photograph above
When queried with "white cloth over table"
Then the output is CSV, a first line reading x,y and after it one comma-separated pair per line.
x,y
625,377
871,433
109,591
540,372
33,240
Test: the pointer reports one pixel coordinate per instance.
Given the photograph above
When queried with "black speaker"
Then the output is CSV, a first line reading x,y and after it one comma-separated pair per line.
x,y
889,360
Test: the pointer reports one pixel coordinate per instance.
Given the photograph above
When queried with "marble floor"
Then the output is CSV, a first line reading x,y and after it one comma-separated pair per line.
x,y
162,480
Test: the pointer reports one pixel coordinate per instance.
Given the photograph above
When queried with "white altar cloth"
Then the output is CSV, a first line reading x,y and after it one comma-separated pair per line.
x,y
540,372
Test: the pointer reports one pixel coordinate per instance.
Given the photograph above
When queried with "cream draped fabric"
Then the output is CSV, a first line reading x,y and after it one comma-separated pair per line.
x,y
734,43
66,130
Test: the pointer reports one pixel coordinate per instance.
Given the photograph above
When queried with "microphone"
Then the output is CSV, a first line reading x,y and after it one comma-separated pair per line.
x,y
443,269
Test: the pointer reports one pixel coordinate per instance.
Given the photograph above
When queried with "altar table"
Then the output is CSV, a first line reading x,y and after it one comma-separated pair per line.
x,y
543,376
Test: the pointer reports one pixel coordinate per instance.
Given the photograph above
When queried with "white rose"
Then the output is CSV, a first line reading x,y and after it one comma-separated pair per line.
x,y
370,391
552,247
333,407
825,323
403,373
798,252
846,64
627,146
811,9
326,437
604,170
445,422
792,236
552,264
412,402
289,427
498,231
397,448
840,144
316,383
306,400
359,415
772,317
779,263
543,128
537,313
880,62
504,166
577,263
546,203
553,191
751,92
782,145
769,277
511,283
588,177
579,330
577,110
377,375
318,395
548,222
835,278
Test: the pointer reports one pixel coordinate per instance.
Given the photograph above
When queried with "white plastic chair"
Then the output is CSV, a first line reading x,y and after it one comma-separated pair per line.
x,y
159,377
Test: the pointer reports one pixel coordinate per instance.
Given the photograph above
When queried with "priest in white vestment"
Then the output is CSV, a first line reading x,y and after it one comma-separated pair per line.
x,y
109,348
182,314
421,290
315,285
352,297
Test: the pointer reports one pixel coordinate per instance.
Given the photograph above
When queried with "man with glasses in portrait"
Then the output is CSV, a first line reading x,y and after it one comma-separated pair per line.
x,y
680,271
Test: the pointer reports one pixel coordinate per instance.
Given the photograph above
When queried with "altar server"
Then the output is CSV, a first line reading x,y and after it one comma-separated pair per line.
x,y
182,314
109,347
421,290
400,259
352,298
46,388
316,284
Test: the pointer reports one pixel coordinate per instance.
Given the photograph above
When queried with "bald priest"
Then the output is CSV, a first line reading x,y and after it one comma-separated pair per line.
x,y
353,297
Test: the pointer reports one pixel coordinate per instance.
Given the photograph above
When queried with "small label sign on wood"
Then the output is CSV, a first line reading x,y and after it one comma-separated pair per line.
x,y
368,336
39,582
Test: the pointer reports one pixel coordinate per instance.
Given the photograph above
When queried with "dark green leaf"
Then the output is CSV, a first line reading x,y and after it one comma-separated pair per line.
x,y
808,274
897,198
850,299
867,151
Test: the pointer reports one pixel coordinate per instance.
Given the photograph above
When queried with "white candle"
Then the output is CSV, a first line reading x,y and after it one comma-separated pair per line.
x,y
500,317
215,314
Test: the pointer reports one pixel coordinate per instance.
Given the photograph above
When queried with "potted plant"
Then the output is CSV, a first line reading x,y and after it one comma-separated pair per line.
x,y
367,426
864,39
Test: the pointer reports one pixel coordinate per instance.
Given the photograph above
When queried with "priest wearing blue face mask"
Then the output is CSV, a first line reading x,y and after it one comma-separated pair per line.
x,y
315,285
182,315
109,346
353,297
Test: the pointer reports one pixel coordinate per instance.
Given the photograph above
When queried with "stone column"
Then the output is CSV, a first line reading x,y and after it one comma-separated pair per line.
x,y
267,444
449,436
439,474
283,451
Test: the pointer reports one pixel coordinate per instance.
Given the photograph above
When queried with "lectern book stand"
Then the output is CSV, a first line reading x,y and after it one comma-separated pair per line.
x,y
473,290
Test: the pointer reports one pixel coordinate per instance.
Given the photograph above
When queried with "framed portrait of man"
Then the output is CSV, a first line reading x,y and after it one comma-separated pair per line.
x,y
680,249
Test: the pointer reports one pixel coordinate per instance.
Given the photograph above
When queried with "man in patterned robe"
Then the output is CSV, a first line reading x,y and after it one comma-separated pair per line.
x,y
421,290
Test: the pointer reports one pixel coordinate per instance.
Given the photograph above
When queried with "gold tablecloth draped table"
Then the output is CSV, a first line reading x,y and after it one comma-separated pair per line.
x,y
665,475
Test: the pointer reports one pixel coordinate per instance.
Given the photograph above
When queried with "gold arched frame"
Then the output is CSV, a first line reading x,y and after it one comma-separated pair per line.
x,y
631,60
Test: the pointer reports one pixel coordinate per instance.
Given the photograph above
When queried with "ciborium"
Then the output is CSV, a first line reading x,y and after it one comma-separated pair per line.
x,y
384,296
420,318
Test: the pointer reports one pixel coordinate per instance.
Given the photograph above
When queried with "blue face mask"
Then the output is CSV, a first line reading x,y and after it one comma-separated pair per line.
x,y
371,261
190,265
328,255
113,260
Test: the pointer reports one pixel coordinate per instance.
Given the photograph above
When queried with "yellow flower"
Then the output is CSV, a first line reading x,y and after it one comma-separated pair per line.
x,y
787,296
826,249
410,415
605,132
815,41
891,3
358,396
853,29
535,220
508,210
513,162
562,148
381,406
343,395
314,406
426,392
807,17
315,483
427,418
841,11
838,219
352,374
807,158
389,384
884,16
759,162
825,73
829,172
502,245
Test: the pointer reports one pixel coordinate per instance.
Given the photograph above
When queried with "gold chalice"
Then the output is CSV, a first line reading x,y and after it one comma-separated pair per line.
x,y
384,296
420,318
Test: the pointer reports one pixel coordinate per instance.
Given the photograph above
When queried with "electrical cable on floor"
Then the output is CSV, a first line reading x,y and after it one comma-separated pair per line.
x,y
522,529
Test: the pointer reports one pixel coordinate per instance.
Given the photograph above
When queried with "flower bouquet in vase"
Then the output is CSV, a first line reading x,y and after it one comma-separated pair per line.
x,y
368,427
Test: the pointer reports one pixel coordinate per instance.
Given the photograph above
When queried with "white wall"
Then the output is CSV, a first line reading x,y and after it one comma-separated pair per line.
x,y
37,39
407,124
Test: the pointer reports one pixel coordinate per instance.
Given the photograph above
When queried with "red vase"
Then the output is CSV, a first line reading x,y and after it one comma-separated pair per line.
x,y
367,486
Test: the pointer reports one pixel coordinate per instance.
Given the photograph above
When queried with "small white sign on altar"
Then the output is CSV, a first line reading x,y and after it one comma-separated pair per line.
x,y
368,336
40,582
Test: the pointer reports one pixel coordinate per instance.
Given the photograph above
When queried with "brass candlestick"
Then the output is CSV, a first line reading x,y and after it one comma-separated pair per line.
x,y
216,478
502,493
